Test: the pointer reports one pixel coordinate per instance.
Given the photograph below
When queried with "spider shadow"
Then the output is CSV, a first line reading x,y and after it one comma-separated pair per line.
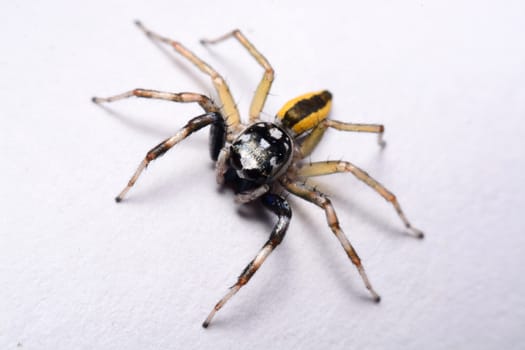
x,y
375,218
340,195
340,271
183,67
241,75
133,123
347,281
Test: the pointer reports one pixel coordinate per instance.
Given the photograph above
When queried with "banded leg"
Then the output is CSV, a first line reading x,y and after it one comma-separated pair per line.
x,y
311,195
265,84
248,196
331,167
312,140
157,151
280,207
185,97
228,107
221,165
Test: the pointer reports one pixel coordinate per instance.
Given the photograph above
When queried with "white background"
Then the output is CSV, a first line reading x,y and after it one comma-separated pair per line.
x,y
78,271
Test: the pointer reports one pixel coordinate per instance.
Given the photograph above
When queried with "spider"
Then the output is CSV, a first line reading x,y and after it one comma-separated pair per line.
x,y
264,160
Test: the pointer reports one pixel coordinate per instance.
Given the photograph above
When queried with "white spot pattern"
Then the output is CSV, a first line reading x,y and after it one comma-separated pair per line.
x,y
276,133
264,144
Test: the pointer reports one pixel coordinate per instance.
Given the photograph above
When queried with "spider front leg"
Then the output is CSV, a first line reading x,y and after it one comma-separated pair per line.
x,y
157,151
280,207
265,84
228,106
185,97
331,167
311,195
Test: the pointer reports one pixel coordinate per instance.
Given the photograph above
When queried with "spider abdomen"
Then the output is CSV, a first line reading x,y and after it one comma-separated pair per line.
x,y
261,153
304,112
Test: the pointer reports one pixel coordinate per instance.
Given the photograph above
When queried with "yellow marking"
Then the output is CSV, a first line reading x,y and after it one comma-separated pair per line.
x,y
313,119
293,102
310,119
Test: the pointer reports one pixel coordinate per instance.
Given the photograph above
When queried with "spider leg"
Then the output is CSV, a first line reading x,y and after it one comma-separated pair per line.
x,y
229,107
378,129
331,167
157,151
318,198
248,196
280,207
185,97
221,165
312,140
263,88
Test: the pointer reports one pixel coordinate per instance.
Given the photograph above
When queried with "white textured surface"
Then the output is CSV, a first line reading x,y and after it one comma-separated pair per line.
x,y
78,271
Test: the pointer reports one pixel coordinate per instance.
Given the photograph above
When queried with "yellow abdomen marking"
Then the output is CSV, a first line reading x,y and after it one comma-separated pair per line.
x,y
306,111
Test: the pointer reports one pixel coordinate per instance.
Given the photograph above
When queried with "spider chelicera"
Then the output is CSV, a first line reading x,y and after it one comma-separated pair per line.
x,y
263,160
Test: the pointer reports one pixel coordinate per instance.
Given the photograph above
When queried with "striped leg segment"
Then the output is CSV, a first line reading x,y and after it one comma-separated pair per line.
x,y
246,197
157,151
229,107
264,86
280,207
331,167
185,97
311,195
221,165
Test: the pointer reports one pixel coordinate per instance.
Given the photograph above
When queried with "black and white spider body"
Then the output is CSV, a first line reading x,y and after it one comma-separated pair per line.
x,y
261,153
261,160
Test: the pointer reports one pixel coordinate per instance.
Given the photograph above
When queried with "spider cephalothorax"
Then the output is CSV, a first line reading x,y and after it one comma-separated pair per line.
x,y
261,152
261,159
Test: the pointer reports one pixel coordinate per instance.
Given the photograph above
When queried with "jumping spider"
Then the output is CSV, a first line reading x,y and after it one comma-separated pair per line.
x,y
261,159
